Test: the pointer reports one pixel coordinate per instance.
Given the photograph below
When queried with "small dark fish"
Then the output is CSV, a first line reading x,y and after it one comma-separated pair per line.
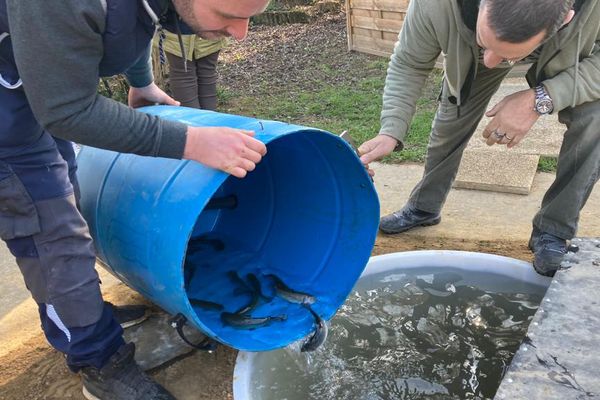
x,y
240,321
208,305
254,299
257,286
319,336
235,278
429,288
291,295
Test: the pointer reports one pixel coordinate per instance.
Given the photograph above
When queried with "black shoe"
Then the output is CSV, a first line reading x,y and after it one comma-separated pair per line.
x,y
129,315
406,219
121,379
548,250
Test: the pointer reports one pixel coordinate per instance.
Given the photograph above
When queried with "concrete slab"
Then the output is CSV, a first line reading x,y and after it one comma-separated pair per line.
x,y
471,215
545,137
559,357
497,171
157,342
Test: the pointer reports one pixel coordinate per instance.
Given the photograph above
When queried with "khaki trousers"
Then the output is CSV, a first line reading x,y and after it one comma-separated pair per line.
x,y
578,162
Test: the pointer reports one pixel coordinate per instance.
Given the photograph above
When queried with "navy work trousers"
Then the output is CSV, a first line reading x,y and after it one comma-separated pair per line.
x,y
42,227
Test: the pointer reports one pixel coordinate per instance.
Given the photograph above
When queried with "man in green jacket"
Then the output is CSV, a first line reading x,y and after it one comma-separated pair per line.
x,y
481,41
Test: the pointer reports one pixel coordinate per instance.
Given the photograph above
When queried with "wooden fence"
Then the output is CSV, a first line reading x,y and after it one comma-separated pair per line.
x,y
373,25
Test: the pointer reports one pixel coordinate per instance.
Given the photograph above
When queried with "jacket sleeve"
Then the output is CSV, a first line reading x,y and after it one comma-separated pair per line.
x,y
414,57
576,85
58,60
140,74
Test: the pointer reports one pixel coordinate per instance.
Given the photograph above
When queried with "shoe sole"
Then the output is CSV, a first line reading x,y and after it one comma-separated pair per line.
x,y
432,222
88,395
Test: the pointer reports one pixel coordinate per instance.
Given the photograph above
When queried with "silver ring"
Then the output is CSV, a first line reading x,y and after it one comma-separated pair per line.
x,y
499,135
508,137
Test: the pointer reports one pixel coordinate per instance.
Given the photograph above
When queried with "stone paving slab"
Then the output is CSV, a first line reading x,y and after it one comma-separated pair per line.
x,y
157,342
544,138
504,172
559,358
473,215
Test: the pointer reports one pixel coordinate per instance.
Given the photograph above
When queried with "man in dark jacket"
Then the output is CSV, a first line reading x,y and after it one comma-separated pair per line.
x,y
48,97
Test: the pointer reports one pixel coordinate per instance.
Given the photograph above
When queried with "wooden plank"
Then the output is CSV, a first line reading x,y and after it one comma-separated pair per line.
x,y
364,13
378,24
368,33
390,36
349,24
372,51
380,5
386,46
399,16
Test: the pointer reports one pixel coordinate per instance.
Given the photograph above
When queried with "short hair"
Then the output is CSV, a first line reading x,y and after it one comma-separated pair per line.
x,y
516,21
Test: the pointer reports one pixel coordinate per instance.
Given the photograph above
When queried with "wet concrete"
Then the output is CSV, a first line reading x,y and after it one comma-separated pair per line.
x,y
559,358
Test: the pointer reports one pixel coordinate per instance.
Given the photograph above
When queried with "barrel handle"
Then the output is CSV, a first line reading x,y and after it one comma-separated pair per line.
x,y
207,344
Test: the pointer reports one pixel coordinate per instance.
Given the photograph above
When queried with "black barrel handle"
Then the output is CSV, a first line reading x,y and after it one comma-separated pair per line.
x,y
207,344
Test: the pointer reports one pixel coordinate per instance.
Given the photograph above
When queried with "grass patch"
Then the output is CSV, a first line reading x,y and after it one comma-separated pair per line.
x,y
337,107
547,164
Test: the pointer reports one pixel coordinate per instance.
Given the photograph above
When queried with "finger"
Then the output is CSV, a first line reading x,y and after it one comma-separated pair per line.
x,y
370,156
364,148
493,111
255,144
494,138
247,132
516,140
251,155
489,129
247,165
168,100
238,172
506,139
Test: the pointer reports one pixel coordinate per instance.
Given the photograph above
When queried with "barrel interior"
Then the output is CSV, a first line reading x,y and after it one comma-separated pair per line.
x,y
283,219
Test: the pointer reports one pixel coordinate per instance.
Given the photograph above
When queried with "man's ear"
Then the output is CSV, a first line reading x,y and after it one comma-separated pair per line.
x,y
568,17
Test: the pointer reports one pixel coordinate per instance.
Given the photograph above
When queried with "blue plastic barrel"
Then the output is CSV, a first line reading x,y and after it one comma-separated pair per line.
x,y
308,214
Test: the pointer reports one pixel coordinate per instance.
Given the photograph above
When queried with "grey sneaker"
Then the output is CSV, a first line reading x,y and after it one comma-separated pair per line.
x,y
406,219
121,379
548,250
129,315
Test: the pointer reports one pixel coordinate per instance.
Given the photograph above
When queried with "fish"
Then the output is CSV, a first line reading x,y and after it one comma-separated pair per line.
x,y
291,295
208,305
235,278
243,321
254,300
320,334
256,286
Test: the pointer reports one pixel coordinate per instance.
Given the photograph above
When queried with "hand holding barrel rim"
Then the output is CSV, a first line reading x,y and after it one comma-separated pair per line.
x,y
234,151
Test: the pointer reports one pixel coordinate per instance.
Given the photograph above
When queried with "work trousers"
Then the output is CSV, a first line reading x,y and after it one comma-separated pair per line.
x,y
43,229
196,88
578,162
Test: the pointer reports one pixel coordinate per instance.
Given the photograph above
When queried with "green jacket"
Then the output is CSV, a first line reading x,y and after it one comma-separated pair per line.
x,y
194,46
568,64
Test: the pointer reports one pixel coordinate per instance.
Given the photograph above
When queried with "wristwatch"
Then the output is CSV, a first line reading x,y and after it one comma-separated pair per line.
x,y
543,101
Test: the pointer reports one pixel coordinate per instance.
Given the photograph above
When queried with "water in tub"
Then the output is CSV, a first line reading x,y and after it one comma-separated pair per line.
x,y
414,334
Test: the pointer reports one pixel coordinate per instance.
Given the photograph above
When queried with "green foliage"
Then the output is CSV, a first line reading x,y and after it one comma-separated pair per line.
x,y
115,88
547,164
337,107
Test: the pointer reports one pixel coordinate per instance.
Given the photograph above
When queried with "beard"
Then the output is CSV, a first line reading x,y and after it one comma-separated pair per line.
x,y
185,10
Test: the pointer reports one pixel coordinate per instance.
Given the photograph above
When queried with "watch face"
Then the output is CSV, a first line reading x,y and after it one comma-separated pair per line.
x,y
544,106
